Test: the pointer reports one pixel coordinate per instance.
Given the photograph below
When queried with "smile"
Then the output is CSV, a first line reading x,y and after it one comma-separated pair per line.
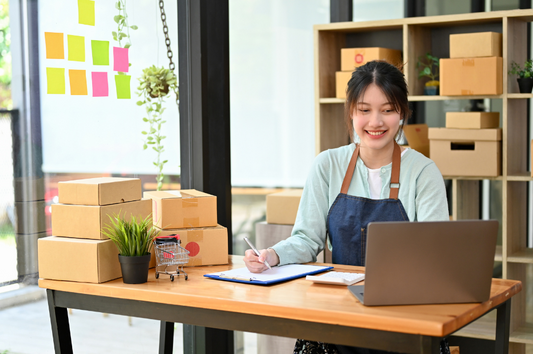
x,y
376,133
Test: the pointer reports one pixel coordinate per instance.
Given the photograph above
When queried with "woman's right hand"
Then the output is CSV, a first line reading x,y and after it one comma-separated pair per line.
x,y
256,264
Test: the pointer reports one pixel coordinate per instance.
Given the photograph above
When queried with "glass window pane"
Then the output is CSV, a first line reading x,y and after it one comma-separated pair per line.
x,y
369,10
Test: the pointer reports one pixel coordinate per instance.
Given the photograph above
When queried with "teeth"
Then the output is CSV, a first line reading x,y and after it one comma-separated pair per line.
x,y
376,133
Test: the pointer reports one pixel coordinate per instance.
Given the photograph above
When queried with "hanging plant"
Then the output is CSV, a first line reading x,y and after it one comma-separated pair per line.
x,y
155,84
123,32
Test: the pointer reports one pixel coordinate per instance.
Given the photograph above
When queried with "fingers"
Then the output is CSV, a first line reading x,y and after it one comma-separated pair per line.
x,y
252,261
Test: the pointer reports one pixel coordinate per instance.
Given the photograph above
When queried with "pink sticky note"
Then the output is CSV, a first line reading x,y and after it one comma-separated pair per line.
x,y
100,85
121,61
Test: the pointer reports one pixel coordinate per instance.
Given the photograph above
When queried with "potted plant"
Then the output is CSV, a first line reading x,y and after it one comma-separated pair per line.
x,y
155,85
134,241
428,66
525,75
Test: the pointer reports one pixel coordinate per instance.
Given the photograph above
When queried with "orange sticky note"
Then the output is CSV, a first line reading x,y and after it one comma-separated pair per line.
x,y
55,48
78,82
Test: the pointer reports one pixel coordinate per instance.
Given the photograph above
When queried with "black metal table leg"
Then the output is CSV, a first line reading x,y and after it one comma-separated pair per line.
x,y
166,337
60,325
503,322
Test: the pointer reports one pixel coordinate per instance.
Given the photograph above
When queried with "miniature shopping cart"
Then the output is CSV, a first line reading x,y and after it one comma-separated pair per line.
x,y
170,256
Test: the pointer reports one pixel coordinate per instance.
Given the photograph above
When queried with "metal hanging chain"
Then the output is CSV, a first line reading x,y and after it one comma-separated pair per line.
x,y
171,64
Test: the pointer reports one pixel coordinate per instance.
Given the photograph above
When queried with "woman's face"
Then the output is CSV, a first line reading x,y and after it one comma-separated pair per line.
x,y
374,119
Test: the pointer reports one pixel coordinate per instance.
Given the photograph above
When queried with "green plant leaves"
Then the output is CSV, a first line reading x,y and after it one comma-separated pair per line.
x,y
132,238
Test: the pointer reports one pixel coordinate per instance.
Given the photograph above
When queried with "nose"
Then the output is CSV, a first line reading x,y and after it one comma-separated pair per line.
x,y
376,120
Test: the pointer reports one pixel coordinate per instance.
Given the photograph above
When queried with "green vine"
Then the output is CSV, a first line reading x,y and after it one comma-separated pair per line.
x,y
123,32
154,86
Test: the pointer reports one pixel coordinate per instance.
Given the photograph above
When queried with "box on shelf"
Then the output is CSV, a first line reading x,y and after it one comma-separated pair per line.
x,y
88,221
184,208
341,83
99,191
466,152
73,259
472,120
282,207
352,58
480,44
417,137
207,245
472,76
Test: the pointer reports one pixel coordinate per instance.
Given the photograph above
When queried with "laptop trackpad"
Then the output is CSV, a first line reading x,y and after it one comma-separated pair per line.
x,y
357,291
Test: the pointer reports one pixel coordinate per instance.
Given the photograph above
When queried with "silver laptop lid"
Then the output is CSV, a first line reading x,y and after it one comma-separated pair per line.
x,y
429,262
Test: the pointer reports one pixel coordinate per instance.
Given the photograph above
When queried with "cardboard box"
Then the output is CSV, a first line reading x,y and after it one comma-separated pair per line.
x,y
472,120
88,221
99,191
473,76
473,45
185,208
91,261
282,207
352,58
417,137
207,245
466,152
341,83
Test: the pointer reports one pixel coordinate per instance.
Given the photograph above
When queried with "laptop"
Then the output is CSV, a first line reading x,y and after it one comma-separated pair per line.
x,y
432,262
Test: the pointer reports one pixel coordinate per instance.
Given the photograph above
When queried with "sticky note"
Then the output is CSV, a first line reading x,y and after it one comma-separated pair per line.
x,y
100,50
55,79
122,83
55,48
100,85
78,82
120,59
86,12
76,48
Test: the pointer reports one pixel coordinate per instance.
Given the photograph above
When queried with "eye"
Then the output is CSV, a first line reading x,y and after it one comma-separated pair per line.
x,y
363,110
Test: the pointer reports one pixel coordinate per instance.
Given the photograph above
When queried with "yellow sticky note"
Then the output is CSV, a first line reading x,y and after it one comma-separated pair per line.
x,y
78,82
76,48
55,79
54,45
86,12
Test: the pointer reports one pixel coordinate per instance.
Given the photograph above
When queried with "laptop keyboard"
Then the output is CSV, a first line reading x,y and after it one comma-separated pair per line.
x,y
337,278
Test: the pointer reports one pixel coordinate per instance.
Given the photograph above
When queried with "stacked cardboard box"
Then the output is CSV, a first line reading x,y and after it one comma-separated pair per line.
x,y
192,215
475,66
78,249
470,145
352,58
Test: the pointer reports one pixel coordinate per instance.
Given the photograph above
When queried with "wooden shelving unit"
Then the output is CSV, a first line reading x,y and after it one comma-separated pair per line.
x,y
415,37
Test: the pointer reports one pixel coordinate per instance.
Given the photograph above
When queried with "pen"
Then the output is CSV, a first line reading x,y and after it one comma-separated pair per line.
x,y
256,251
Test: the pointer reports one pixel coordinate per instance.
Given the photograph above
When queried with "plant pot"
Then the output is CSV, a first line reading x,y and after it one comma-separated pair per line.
x,y
134,269
431,90
525,85
163,92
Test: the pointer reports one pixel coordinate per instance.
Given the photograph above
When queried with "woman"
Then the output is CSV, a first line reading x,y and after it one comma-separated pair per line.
x,y
350,186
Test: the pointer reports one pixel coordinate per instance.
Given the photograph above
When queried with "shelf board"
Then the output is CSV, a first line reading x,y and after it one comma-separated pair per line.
x,y
485,328
474,178
522,256
447,98
520,177
519,95
331,100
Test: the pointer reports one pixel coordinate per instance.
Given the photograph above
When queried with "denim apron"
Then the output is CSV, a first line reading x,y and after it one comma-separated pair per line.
x,y
349,216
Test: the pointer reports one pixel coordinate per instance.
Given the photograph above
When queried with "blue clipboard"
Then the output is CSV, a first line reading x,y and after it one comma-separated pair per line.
x,y
270,276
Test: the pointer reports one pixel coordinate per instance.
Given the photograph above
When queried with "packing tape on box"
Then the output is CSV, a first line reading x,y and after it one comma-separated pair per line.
x,y
195,235
191,222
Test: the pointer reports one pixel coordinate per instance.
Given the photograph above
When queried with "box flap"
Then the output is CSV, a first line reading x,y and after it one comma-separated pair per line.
x,y
417,137
465,134
99,180
184,193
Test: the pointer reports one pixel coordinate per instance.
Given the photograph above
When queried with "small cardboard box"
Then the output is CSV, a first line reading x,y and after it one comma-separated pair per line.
x,y
206,246
341,83
472,76
185,208
472,120
99,191
88,221
282,207
73,259
417,137
466,152
352,58
472,45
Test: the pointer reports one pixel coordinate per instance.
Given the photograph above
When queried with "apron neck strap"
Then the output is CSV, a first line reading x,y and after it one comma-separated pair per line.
x,y
395,175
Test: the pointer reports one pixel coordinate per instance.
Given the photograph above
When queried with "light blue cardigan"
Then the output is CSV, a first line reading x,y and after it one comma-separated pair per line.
x,y
422,194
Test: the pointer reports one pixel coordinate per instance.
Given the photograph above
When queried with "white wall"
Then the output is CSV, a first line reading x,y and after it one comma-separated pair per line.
x,y
88,134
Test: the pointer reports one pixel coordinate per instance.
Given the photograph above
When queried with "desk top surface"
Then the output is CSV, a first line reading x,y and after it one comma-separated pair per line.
x,y
298,299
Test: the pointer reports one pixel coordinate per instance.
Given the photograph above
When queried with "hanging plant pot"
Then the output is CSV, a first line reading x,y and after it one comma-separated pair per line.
x,y
525,85
134,268
162,92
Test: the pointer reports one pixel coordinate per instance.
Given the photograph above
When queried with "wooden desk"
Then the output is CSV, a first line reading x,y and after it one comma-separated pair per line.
x,y
298,309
